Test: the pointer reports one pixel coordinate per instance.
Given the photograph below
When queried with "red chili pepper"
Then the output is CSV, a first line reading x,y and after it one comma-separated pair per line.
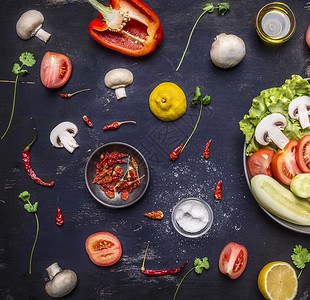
x,y
59,217
26,161
176,152
160,272
131,27
206,152
115,125
218,191
87,121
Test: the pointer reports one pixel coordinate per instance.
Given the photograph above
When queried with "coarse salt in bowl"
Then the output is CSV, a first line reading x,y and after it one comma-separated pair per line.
x,y
192,217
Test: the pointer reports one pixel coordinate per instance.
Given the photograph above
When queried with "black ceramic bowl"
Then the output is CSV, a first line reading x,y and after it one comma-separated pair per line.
x,y
98,194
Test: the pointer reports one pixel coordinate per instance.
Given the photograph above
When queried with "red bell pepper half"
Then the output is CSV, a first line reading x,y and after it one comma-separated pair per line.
x,y
127,26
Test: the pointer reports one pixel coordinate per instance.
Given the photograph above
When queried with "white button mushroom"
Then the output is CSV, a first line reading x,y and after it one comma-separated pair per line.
x,y
299,109
29,24
227,50
63,136
118,79
269,129
61,283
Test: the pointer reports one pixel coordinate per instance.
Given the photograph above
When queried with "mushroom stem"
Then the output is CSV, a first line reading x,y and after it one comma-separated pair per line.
x,y
68,141
120,93
52,270
277,136
43,35
303,116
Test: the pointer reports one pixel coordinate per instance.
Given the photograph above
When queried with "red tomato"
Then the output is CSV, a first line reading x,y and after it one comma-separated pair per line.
x,y
104,249
303,154
55,70
233,260
260,162
308,36
284,166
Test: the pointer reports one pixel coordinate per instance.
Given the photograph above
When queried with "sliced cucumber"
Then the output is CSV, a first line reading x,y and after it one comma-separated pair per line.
x,y
300,185
279,201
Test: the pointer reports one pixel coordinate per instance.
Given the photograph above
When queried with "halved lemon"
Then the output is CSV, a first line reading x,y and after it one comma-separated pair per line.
x,y
278,281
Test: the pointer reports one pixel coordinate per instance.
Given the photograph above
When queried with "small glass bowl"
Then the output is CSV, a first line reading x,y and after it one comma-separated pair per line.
x,y
261,20
180,230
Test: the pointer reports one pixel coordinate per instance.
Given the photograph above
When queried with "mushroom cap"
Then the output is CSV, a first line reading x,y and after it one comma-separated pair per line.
x,y
299,101
261,131
29,23
118,78
60,128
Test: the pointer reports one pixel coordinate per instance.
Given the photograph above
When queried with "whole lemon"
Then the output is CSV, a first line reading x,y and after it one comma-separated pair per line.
x,y
167,101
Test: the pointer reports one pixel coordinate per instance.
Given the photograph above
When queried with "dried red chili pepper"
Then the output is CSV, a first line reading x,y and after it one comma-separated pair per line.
x,y
59,217
127,26
206,152
115,125
26,161
218,191
70,95
87,121
160,272
176,152
156,215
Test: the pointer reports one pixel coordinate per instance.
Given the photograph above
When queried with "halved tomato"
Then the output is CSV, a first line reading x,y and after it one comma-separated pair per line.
x,y
233,260
260,162
303,154
103,248
308,36
284,166
55,70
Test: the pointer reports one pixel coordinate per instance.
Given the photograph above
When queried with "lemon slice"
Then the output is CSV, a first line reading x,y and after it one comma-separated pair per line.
x,y
300,185
278,281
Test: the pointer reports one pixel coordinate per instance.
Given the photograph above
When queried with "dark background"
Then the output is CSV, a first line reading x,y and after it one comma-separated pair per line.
x,y
237,217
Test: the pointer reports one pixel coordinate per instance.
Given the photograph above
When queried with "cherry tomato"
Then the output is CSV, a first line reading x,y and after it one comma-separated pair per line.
x,y
284,166
103,248
260,162
233,260
303,154
55,70
308,36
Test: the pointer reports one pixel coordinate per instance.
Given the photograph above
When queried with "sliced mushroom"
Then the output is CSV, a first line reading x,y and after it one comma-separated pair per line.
x,y
61,283
63,136
299,109
30,24
270,129
118,79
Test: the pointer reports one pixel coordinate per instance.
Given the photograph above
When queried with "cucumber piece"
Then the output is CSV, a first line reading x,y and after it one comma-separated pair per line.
x,y
300,185
279,201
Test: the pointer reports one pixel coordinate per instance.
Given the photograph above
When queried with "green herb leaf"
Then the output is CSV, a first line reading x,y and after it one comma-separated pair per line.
x,y
208,6
223,7
18,71
206,100
27,59
201,264
198,98
300,256
31,208
25,196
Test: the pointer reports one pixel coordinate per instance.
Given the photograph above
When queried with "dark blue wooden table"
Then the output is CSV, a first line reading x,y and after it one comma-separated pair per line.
x,y
237,217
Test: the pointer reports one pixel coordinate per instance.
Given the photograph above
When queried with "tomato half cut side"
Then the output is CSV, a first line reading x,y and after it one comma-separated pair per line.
x,y
260,162
308,36
284,166
233,260
55,70
103,248
303,154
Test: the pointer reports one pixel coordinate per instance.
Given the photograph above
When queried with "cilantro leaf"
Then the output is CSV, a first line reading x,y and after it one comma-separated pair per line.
x,y
208,6
198,98
27,59
31,208
201,264
223,7
25,196
300,256
206,100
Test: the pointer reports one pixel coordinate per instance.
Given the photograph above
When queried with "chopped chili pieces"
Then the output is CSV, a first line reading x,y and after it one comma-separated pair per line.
x,y
160,272
26,161
156,215
59,217
206,152
87,121
218,191
176,152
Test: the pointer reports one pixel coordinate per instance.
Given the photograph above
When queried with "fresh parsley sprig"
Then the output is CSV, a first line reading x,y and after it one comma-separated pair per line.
x,y
31,208
199,266
27,59
203,101
223,8
300,257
